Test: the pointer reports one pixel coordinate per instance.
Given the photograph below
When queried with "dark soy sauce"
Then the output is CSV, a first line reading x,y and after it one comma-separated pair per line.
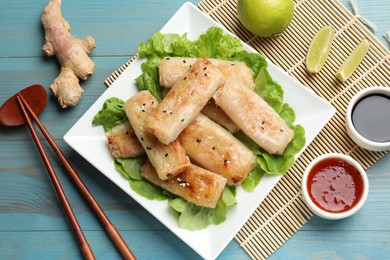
x,y
371,117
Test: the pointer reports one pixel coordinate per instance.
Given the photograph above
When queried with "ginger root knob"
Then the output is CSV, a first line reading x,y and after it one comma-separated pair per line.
x,y
71,53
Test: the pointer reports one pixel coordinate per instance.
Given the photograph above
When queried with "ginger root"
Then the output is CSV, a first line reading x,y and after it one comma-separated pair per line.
x,y
71,53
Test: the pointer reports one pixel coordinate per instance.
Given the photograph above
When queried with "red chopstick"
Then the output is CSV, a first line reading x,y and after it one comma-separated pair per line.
x,y
109,227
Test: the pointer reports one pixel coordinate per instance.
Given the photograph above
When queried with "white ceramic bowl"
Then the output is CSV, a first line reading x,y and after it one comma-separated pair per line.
x,y
355,135
330,215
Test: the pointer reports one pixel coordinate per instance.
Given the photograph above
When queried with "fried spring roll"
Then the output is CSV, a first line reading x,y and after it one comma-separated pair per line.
x,y
195,184
123,142
169,160
215,113
254,116
215,149
171,69
185,101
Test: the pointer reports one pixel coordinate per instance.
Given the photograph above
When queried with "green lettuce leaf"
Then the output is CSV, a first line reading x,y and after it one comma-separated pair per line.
x,y
193,217
215,44
229,196
162,45
279,164
130,169
253,179
196,218
269,90
147,189
111,114
148,80
178,204
254,61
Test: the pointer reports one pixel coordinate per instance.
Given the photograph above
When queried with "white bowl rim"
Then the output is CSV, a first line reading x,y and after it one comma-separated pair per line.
x,y
366,143
331,215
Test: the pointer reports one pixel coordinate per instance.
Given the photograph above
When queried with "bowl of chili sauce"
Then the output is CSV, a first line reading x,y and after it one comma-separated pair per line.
x,y
334,186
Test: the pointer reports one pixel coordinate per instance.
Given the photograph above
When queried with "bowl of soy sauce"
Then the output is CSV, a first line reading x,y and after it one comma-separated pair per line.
x,y
368,118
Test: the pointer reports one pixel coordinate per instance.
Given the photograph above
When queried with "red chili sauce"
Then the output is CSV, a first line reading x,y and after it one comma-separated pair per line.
x,y
334,185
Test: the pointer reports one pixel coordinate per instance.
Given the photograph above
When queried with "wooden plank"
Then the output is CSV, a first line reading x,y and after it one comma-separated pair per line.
x,y
62,245
32,224
117,26
114,23
330,244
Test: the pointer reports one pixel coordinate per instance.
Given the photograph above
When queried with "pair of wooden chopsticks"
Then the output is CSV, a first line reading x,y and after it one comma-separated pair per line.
x,y
109,227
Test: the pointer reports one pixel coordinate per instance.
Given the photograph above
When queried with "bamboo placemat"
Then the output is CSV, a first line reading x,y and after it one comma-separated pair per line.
x,y
283,212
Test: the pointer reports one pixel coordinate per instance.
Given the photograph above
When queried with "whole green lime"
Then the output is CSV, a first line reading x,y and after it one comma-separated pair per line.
x,y
265,18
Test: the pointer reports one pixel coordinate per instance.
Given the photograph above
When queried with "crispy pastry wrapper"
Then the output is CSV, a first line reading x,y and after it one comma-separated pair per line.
x,y
216,149
123,142
168,159
254,116
195,184
185,100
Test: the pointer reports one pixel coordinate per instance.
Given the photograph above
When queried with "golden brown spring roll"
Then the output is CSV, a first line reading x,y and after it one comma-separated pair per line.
x,y
215,113
195,184
185,101
254,116
169,160
171,69
215,149
123,142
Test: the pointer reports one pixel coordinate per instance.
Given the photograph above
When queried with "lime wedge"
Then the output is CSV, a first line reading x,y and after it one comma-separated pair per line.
x,y
353,61
319,49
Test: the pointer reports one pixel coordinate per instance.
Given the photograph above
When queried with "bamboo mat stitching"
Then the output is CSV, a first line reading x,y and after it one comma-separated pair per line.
x,y
270,220
254,235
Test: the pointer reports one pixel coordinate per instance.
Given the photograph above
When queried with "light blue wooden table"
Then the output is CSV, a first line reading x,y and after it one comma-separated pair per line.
x,y
32,223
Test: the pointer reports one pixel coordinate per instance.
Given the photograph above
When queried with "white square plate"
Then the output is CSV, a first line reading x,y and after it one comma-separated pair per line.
x,y
90,142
